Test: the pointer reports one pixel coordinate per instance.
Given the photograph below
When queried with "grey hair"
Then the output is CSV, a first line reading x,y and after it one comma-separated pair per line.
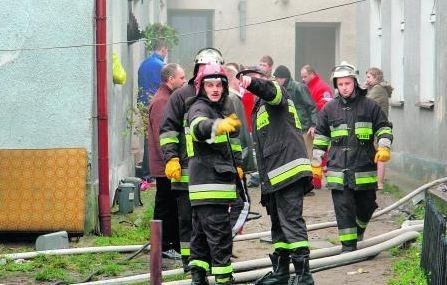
x,y
169,70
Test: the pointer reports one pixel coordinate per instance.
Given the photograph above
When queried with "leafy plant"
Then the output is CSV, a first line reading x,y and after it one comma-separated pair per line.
x,y
157,33
407,269
137,118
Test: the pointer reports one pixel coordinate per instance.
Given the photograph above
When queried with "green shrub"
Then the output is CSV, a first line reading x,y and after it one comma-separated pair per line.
x,y
407,269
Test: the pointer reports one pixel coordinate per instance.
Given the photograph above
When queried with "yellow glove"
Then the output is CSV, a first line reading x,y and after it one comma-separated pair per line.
x,y
383,154
317,171
173,169
240,172
228,125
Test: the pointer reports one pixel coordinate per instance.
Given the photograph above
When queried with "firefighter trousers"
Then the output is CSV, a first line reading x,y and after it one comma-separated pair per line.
x,y
211,240
185,222
285,207
353,210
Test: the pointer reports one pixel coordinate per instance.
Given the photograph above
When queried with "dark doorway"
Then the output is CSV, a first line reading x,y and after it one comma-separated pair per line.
x,y
195,32
316,44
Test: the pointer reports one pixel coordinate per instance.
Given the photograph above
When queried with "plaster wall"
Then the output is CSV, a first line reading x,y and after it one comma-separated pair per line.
x,y
121,98
420,134
277,38
46,93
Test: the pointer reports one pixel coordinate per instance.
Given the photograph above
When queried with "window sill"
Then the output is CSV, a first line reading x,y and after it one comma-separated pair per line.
x,y
397,104
426,105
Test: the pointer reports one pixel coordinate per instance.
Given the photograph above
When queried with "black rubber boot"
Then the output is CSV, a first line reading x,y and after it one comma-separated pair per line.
x,y
302,272
360,232
185,264
348,246
280,274
198,276
224,279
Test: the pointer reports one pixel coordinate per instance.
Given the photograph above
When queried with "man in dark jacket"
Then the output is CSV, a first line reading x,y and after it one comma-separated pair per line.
x,y
172,77
212,171
349,124
305,106
285,173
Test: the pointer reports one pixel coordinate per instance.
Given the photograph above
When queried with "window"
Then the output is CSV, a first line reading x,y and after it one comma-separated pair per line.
x,y
375,34
397,51
427,52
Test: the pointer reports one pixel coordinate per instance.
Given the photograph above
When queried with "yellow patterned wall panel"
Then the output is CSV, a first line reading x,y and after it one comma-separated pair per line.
x,y
42,190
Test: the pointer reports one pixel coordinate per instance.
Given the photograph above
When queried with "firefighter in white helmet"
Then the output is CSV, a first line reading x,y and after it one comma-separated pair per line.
x,y
349,124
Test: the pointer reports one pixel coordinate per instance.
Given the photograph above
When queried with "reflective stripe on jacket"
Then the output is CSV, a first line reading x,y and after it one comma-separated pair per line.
x,y
212,174
280,149
349,126
172,132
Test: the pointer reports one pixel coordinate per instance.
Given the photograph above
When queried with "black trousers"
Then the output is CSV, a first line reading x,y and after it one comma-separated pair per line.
x,y
285,207
353,210
185,221
166,210
145,170
211,240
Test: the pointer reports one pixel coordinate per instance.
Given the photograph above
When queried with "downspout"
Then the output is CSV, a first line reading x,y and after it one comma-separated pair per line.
x,y
101,102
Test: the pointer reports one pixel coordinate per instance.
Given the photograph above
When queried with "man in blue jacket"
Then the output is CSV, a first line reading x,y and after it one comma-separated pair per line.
x,y
149,79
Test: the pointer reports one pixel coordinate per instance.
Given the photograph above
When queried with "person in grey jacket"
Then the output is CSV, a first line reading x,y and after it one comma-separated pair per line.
x,y
380,91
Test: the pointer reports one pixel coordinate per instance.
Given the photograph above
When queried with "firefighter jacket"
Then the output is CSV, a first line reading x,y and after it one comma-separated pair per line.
x,y
212,158
349,126
173,135
280,149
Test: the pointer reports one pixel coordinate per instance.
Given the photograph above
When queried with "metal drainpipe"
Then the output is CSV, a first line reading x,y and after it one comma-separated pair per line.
x,y
103,138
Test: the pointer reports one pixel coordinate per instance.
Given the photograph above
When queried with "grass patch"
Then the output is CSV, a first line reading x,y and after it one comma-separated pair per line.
x,y
175,277
133,228
393,190
74,268
407,270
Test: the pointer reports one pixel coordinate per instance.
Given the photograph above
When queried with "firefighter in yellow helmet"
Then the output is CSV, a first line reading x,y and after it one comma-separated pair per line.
x,y
349,124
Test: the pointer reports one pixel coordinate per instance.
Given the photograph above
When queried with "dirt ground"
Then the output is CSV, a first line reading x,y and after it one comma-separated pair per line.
x,y
319,208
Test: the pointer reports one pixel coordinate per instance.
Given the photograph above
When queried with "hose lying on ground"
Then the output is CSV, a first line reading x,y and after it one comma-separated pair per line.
x,y
250,276
265,262
324,225
130,248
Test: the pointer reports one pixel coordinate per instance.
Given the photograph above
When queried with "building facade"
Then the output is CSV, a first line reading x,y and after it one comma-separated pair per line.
x,y
406,39
48,81
293,33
